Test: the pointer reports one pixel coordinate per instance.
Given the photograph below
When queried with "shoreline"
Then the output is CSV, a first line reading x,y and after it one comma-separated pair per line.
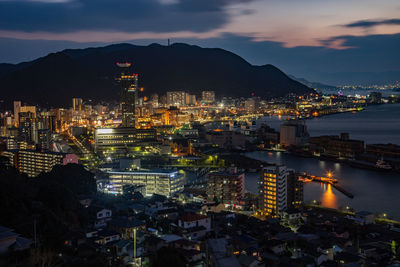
x,y
359,164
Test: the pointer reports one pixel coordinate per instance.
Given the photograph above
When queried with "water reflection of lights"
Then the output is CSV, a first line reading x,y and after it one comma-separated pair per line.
x,y
337,166
328,197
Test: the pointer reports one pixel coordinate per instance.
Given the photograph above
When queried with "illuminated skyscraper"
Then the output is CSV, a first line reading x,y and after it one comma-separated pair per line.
x,y
273,189
17,108
77,103
129,86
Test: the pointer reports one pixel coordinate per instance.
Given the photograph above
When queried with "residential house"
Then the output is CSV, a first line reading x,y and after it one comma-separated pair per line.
x,y
105,237
11,241
126,227
102,217
194,226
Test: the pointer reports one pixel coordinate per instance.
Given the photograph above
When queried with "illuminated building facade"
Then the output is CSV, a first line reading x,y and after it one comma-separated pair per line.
x,y
208,96
190,99
33,162
337,146
293,133
44,139
295,190
251,104
176,98
77,103
226,187
273,189
226,138
18,108
170,116
162,182
129,90
122,141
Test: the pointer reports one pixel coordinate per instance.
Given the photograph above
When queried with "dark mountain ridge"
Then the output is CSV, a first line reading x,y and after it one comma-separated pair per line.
x,y
90,74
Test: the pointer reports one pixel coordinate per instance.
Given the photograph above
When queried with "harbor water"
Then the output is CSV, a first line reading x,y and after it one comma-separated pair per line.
x,y
373,190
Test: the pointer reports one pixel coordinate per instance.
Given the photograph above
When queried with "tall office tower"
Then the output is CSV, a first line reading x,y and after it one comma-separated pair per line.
x,y
26,117
49,121
273,189
129,88
77,103
17,108
190,99
44,139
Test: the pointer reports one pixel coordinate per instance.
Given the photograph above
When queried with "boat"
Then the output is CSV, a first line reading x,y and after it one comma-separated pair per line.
x,y
381,164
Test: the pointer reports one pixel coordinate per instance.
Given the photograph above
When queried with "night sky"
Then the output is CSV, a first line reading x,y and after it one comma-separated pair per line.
x,y
314,39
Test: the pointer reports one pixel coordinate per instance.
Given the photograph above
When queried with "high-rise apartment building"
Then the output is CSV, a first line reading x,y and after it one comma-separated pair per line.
x,y
49,121
176,98
33,162
18,108
295,191
190,99
251,104
77,103
129,90
226,187
44,139
208,96
273,189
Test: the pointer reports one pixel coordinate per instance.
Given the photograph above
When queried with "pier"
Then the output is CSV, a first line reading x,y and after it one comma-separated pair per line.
x,y
304,177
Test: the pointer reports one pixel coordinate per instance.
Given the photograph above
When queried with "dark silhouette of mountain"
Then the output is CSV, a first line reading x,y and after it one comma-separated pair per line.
x,y
315,85
90,74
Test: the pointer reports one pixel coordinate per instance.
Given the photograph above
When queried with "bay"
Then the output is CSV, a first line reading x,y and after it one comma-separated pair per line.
x,y
378,124
373,191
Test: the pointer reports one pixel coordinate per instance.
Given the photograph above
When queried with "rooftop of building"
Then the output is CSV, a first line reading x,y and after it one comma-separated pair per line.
x,y
171,238
217,245
154,171
191,217
126,223
226,173
37,151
